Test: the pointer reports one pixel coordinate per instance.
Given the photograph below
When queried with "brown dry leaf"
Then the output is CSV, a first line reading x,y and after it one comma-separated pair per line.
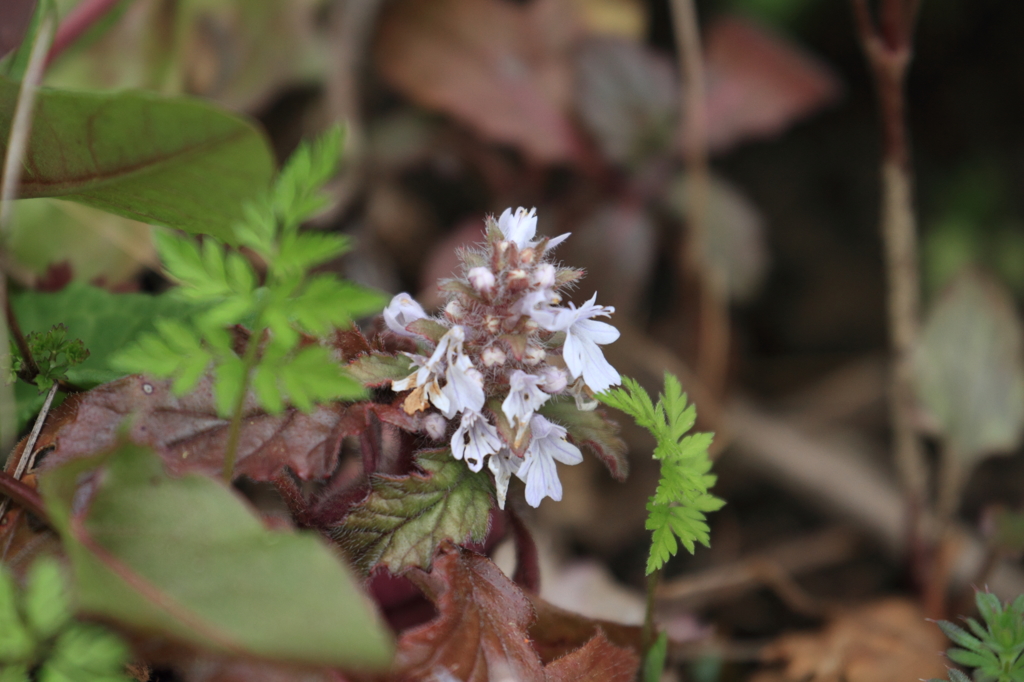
x,y
482,631
884,641
501,67
189,436
758,83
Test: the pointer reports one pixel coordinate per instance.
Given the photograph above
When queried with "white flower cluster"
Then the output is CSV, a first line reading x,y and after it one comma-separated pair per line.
x,y
509,347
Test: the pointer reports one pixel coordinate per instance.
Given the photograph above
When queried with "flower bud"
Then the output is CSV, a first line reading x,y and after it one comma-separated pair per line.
x,y
527,255
493,356
517,279
530,326
482,279
534,355
454,310
543,276
492,324
553,380
435,425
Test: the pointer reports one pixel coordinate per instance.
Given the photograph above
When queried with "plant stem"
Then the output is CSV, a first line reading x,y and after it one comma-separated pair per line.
x,y
888,47
28,454
713,339
79,20
31,367
25,496
647,636
235,430
21,127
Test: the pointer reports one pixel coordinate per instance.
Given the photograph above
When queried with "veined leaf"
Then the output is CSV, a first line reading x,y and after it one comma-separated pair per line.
x,y
375,369
404,519
167,161
186,558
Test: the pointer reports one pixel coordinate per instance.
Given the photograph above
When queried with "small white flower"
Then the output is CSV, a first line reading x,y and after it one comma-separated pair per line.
x,y
481,278
464,387
553,380
521,228
538,469
524,397
503,464
582,337
401,312
425,385
475,439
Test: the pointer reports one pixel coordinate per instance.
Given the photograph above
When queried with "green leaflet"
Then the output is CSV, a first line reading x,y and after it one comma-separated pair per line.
x,y
375,369
187,558
404,518
166,161
677,509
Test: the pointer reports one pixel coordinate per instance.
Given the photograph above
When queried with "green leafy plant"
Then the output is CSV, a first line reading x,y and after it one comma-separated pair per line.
x,y
39,633
53,353
993,650
677,508
285,309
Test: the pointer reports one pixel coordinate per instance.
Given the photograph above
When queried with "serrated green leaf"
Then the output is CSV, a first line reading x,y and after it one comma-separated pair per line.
x,y
296,193
375,369
327,303
86,652
178,162
972,659
959,636
298,252
46,603
187,558
404,518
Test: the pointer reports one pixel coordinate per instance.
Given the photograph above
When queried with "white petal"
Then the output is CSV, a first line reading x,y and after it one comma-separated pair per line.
x,y
519,227
597,372
555,241
598,332
502,466
541,477
401,312
464,387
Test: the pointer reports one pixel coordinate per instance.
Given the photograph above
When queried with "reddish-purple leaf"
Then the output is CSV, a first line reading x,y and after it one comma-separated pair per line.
x,y
595,430
15,16
759,84
189,436
501,67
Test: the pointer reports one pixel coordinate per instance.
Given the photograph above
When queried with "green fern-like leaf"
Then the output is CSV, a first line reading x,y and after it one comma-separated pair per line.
x,y
676,511
287,304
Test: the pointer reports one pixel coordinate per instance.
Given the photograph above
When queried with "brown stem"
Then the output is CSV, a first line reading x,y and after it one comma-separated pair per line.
x,y
713,338
24,496
31,370
888,48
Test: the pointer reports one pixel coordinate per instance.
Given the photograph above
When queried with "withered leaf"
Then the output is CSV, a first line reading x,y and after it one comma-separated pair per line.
x,y
482,631
404,518
500,67
593,429
189,436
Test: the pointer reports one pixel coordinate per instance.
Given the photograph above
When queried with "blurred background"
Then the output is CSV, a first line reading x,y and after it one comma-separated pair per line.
x,y
774,318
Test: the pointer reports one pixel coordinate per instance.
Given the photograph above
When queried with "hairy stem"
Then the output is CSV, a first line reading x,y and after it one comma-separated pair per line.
x,y
235,431
24,496
888,47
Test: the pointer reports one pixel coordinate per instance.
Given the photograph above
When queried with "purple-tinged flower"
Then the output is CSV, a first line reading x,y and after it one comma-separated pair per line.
x,y
474,440
401,312
583,335
553,380
493,356
538,470
524,397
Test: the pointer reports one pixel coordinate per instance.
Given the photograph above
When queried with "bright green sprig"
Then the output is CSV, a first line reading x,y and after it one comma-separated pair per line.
x,y
994,650
54,354
38,632
288,304
677,508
